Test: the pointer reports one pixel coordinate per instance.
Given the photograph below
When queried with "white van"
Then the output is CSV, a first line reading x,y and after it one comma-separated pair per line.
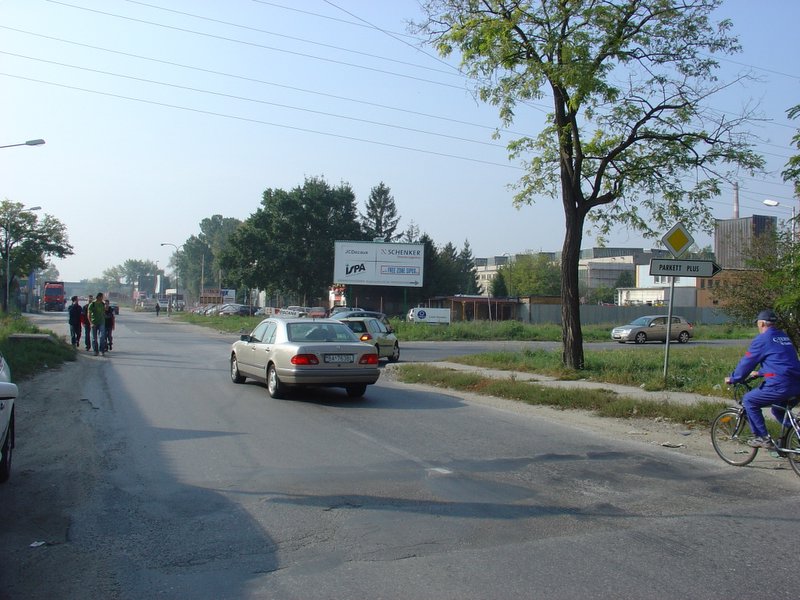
x,y
422,314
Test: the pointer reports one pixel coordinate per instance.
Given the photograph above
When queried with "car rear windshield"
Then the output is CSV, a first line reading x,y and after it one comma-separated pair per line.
x,y
319,332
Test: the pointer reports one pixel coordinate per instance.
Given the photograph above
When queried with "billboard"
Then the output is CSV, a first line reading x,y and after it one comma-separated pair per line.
x,y
378,263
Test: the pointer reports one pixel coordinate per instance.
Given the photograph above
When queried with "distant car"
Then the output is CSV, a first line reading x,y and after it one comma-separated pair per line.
x,y
653,328
348,314
373,331
240,310
317,312
338,309
296,351
8,393
115,307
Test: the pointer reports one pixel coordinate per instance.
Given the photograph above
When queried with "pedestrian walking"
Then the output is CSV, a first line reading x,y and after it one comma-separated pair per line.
x,y
97,319
75,314
87,327
158,308
109,325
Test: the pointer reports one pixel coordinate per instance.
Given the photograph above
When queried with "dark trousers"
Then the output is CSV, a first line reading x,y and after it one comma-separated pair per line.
x,y
75,334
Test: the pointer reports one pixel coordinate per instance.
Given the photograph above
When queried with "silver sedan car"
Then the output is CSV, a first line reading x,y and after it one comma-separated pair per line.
x,y
290,352
653,328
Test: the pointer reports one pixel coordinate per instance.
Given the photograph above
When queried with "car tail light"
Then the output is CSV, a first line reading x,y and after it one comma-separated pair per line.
x,y
365,337
369,359
305,359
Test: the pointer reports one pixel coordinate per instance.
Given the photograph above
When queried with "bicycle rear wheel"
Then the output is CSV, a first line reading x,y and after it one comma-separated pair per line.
x,y
730,432
791,442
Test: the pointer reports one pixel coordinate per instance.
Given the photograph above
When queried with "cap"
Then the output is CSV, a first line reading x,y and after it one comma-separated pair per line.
x,y
766,315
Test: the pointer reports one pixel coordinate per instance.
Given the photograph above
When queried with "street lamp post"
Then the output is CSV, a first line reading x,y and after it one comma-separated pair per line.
x,y
36,142
28,143
8,253
177,286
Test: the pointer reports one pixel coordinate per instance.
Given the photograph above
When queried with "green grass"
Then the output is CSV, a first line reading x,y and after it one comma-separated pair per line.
x,y
605,403
26,357
475,330
698,369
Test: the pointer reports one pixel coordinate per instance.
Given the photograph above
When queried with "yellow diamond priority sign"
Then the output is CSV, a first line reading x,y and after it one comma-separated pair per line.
x,y
678,240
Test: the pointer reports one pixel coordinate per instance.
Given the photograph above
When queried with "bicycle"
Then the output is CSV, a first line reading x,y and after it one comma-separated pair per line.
x,y
730,432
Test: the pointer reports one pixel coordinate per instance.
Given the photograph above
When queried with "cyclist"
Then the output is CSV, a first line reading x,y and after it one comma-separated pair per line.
x,y
779,366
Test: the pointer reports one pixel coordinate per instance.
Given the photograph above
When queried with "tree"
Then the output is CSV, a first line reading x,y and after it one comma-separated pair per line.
x,y
625,280
28,242
381,218
411,234
628,82
792,171
602,295
532,275
499,288
216,232
469,275
133,269
112,278
772,280
49,273
288,243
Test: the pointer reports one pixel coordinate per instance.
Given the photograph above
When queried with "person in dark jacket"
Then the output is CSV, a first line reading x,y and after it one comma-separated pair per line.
x,y
86,325
75,312
776,358
110,322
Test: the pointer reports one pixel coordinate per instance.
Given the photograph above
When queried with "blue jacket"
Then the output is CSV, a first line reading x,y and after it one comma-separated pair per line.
x,y
780,367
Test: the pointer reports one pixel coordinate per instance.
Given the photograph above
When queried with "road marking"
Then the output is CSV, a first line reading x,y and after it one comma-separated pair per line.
x,y
402,453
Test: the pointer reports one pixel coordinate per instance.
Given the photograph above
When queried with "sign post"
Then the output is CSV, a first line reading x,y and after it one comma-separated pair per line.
x,y
677,240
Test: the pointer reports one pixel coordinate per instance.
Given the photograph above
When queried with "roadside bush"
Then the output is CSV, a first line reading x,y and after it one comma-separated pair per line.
x,y
26,357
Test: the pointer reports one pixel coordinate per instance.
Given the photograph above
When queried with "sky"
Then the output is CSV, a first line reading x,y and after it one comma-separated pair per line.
x,y
160,114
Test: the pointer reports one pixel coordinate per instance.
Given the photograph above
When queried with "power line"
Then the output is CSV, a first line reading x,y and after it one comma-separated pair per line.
x,y
253,100
262,46
256,80
282,35
260,122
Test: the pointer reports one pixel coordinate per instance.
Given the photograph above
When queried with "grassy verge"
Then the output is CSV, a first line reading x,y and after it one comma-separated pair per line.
x,y
605,403
26,357
698,369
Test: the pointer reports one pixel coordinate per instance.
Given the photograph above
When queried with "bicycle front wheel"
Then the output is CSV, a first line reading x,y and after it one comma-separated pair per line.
x,y
792,444
730,432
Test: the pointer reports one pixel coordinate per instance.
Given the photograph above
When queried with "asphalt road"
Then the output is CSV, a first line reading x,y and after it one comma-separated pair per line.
x,y
205,489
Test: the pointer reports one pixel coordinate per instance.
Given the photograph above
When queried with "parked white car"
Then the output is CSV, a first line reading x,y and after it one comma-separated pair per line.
x,y
8,393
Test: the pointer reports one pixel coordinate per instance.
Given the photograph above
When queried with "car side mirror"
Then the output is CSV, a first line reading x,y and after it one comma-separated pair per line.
x,y
245,337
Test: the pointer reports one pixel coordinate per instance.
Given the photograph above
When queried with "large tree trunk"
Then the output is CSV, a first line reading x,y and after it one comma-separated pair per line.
x,y
570,294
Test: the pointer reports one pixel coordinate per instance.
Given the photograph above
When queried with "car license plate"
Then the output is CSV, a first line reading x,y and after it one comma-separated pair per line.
x,y
338,358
